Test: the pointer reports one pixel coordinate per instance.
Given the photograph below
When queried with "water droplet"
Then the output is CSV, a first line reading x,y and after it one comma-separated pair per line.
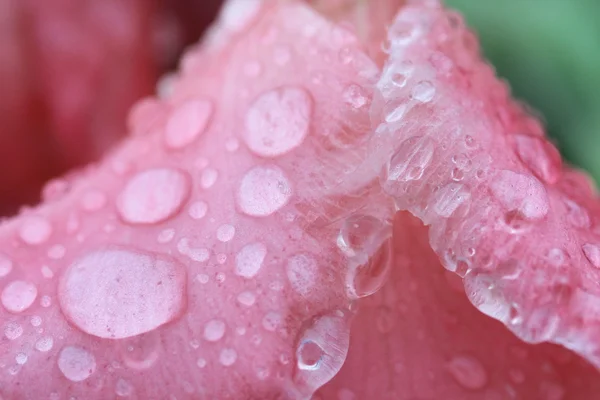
x,y
198,209
522,193
411,159
44,344
592,253
246,298
225,233
93,200
153,195
165,236
202,278
272,321
577,215
45,301
187,122
21,358
13,331
57,252
227,357
278,121
396,114
321,351
18,296
208,178
214,330
6,265
35,230
76,364
47,272
302,271
365,242
355,96
140,352
196,254
201,363
134,292
468,372
423,91
36,320
123,388
446,200
263,191
250,259
540,156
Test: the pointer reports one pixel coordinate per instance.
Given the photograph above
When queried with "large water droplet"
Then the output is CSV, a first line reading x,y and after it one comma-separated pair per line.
x,y
365,242
6,265
540,156
153,195
263,191
187,123
249,260
468,372
411,159
302,273
133,292
18,296
214,330
321,351
35,230
278,121
76,364
522,193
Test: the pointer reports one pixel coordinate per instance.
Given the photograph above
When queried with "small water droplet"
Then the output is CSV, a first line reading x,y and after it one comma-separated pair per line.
x,y
18,296
228,357
278,121
356,96
13,331
522,193
592,253
134,292
153,195
123,388
516,375
540,156
246,298
198,209
411,159
202,278
385,319
76,364
201,363
57,252
196,254
165,236
423,91
249,260
272,321
187,123
446,200
36,320
214,330
302,272
35,230
225,233
321,351
6,265
47,272
365,242
44,344
468,372
45,301
577,215
21,358
208,178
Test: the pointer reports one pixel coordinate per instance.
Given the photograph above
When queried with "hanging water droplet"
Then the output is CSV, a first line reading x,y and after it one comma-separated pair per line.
x,y
321,351
365,242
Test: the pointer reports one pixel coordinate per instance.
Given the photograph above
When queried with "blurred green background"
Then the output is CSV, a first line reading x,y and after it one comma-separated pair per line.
x,y
549,50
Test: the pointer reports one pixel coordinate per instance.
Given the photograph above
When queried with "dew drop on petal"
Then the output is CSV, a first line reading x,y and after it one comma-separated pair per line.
x,y
208,178
302,273
198,209
133,292
249,260
278,121
153,195
123,388
76,364
44,344
423,91
263,191
187,123
272,321
540,156
228,357
410,160
18,296
225,233
592,253
6,265
214,330
35,230
13,331
468,372
246,298
93,200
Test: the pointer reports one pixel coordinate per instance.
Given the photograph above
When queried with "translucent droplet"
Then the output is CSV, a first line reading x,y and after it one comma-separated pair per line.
x,y
225,233
592,253
6,265
250,259
576,214
365,242
18,296
540,156
302,272
76,364
201,363
165,236
246,298
57,252
140,352
214,330
153,195
44,344
45,301
123,388
21,358
522,193
278,121
411,159
321,351
208,178
134,292
263,191
423,91
468,372
356,96
36,320
272,321
198,209
35,230
187,123
13,331
227,357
